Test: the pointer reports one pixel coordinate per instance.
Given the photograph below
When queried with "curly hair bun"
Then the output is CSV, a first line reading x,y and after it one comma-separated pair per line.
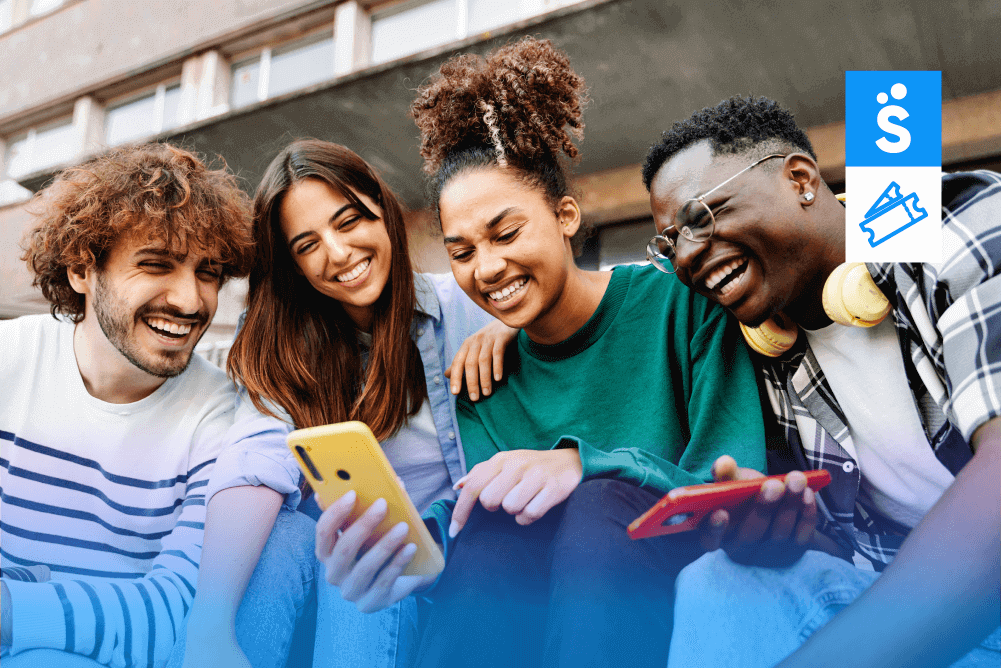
x,y
523,101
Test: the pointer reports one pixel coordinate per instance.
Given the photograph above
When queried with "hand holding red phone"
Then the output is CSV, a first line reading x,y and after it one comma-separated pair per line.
x,y
774,528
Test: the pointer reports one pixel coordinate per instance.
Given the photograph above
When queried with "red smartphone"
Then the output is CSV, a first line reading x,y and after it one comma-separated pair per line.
x,y
683,508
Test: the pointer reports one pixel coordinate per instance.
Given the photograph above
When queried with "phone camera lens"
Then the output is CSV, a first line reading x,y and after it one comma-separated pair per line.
x,y
343,475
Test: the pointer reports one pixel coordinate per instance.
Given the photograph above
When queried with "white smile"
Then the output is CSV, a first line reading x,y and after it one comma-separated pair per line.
x,y
509,291
354,273
720,275
167,327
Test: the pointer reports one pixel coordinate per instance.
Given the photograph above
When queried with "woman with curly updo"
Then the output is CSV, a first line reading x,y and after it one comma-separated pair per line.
x,y
622,386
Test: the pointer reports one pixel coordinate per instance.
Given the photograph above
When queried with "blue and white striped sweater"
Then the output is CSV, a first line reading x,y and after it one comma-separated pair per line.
x,y
109,499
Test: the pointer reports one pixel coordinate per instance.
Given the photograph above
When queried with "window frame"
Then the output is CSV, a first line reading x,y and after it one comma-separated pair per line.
x,y
6,15
159,94
263,56
525,9
31,136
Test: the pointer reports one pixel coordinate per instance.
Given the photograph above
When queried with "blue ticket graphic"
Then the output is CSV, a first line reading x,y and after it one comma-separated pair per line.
x,y
891,214
893,166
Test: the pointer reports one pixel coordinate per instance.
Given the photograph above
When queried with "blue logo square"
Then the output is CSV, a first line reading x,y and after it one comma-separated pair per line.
x,y
893,119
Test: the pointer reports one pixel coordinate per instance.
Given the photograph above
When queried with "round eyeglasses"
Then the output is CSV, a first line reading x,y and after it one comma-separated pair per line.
x,y
694,221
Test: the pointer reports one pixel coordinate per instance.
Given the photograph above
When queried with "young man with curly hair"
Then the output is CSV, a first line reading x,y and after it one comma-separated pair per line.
x,y
109,424
905,412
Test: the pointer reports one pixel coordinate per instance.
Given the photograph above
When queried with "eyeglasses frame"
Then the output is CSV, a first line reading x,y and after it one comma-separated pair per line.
x,y
655,257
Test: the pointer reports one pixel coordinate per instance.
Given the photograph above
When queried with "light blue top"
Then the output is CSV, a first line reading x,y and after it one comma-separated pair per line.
x,y
445,317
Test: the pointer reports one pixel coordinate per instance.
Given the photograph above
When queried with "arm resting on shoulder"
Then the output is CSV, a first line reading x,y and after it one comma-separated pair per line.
x,y
941,595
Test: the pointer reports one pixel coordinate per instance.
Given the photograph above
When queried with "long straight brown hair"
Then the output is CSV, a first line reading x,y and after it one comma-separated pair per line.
x,y
298,348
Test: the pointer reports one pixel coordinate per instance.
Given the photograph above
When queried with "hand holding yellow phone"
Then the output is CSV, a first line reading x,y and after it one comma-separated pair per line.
x,y
338,458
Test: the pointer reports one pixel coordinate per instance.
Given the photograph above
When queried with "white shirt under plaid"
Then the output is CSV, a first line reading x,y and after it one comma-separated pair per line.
x,y
948,319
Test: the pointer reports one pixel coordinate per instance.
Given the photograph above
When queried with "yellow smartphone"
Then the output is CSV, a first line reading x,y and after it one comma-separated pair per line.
x,y
336,458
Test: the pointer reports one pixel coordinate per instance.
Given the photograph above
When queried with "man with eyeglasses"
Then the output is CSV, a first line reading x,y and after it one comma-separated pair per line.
x,y
903,412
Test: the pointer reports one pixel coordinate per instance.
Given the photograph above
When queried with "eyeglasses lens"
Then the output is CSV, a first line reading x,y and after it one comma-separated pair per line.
x,y
695,221
660,253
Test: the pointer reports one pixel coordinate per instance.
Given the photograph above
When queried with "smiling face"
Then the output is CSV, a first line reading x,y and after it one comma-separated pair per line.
x,y
765,254
344,254
153,305
508,248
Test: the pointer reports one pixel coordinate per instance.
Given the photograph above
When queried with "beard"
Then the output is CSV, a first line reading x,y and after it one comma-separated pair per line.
x,y
118,324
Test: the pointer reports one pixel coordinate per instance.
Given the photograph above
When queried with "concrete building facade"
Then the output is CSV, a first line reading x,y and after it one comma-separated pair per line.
x,y
240,78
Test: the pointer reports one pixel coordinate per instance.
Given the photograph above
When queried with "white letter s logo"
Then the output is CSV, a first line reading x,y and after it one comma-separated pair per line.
x,y
884,123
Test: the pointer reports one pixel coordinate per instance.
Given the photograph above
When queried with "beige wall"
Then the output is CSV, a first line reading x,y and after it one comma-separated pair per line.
x,y
89,43
17,297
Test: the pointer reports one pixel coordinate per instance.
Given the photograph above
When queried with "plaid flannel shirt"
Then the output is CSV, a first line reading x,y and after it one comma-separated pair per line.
x,y
948,320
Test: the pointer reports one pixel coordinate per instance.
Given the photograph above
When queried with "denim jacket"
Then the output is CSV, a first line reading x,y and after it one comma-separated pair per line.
x,y
445,317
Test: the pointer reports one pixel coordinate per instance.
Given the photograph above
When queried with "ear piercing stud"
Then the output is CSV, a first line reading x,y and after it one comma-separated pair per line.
x,y
808,197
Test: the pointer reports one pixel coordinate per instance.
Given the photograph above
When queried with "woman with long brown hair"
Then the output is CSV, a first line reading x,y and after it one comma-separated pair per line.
x,y
338,327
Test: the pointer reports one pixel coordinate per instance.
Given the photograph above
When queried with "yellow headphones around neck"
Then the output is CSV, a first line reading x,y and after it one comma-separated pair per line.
x,y
850,297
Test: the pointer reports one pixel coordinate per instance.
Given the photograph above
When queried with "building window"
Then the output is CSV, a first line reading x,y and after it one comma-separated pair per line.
x,y
40,148
624,243
11,192
141,117
43,6
6,14
483,15
415,26
24,10
274,72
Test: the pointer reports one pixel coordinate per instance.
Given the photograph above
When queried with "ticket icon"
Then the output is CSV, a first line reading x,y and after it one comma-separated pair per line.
x,y
891,214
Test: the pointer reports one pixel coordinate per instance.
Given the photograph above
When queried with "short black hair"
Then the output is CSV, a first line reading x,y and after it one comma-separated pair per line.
x,y
735,125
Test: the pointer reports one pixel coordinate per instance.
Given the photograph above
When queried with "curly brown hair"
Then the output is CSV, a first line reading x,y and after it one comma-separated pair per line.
x,y
152,191
531,87
520,106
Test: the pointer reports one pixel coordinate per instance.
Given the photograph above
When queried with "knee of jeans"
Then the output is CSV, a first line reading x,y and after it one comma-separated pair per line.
x,y
592,524
715,577
817,582
291,546
594,499
711,571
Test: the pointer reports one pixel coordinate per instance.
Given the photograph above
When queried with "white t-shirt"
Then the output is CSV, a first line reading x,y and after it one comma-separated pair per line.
x,y
901,477
109,496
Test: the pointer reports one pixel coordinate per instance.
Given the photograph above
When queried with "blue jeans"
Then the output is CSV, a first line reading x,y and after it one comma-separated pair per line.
x,y
346,638
567,591
732,615
280,588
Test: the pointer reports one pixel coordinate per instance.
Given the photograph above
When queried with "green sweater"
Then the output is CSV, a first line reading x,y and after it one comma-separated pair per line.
x,y
651,390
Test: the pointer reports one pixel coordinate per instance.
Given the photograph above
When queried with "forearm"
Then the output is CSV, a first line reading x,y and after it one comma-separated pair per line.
x,y
940,596
238,523
634,465
724,408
